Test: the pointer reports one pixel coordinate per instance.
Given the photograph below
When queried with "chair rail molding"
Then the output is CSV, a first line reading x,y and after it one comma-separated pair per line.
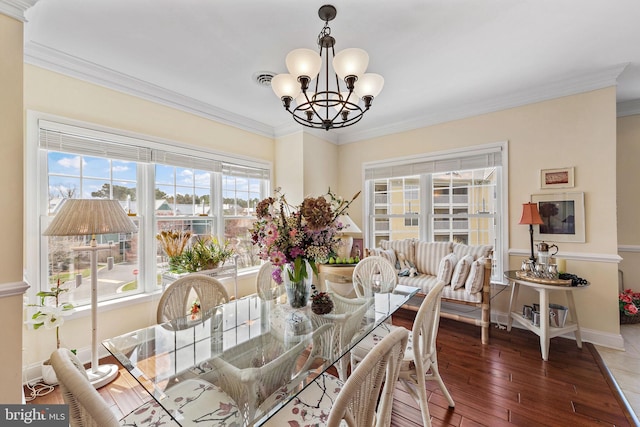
x,y
16,8
628,248
12,289
576,256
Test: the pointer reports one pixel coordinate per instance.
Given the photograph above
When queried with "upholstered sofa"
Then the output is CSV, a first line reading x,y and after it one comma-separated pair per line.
x,y
465,269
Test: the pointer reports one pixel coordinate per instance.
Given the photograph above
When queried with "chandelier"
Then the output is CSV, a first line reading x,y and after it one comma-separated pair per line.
x,y
326,105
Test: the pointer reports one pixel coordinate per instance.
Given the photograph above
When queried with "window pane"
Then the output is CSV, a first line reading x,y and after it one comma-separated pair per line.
x,y
63,163
165,174
96,167
124,170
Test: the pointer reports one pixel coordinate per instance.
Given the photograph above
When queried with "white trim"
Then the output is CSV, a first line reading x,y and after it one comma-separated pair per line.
x,y
12,289
628,248
576,256
16,8
605,339
58,61
51,59
439,155
628,108
570,85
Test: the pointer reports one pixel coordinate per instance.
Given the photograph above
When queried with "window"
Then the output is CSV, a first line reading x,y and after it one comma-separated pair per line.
x,y
242,189
161,186
441,198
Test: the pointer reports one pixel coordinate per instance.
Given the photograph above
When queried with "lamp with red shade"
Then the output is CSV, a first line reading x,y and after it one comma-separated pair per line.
x,y
530,216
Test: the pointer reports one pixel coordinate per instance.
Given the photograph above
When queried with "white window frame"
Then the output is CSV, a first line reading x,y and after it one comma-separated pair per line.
x,y
424,165
35,194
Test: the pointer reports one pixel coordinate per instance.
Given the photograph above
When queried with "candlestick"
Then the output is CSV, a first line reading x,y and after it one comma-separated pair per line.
x,y
562,265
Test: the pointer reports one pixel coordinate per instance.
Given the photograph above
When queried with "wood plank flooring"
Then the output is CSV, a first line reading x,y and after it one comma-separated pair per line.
x,y
503,383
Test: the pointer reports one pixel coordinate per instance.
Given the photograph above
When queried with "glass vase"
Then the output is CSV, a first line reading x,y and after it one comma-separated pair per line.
x,y
298,283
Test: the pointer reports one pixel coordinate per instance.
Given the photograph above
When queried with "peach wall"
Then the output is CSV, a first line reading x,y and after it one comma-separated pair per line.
x,y
576,131
320,166
11,176
628,174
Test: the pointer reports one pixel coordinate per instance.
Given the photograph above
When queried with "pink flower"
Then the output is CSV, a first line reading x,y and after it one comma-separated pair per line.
x,y
296,252
628,291
626,298
278,258
632,309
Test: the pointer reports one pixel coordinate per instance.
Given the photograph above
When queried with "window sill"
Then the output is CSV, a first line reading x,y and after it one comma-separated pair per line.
x,y
115,304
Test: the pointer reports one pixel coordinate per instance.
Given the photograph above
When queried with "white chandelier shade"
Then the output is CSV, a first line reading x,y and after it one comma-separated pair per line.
x,y
369,84
350,62
303,62
285,85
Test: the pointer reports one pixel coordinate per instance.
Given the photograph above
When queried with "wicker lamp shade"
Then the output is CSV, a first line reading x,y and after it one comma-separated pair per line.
x,y
81,217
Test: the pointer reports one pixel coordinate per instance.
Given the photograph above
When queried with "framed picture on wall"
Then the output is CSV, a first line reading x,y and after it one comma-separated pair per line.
x,y
556,178
562,215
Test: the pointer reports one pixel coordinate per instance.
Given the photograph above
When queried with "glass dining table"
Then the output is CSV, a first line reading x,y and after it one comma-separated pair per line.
x,y
251,348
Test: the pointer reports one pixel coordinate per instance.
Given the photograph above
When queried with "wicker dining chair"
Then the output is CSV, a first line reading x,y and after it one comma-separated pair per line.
x,y
176,300
189,401
358,401
421,361
374,271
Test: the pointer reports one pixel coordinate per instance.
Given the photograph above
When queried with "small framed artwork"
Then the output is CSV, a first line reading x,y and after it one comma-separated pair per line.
x,y
562,216
356,249
556,178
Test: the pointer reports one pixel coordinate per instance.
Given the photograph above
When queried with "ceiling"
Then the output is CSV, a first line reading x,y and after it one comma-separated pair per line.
x,y
441,59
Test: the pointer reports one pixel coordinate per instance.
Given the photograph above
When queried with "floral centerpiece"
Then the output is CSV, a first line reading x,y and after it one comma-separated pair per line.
x,y
295,238
629,305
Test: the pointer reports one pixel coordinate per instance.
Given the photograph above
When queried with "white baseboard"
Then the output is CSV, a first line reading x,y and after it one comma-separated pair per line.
x,y
605,339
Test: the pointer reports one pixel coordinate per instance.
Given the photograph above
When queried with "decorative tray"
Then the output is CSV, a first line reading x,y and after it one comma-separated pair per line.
x,y
555,282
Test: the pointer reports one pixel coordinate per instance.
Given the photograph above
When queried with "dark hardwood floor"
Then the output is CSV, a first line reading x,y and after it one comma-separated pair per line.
x,y
503,383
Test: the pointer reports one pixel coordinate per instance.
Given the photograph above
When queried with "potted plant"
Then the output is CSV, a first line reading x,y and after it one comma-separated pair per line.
x,y
51,313
629,305
173,244
209,253
203,253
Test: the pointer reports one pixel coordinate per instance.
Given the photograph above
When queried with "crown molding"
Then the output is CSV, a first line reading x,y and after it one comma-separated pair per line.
x,y
628,108
570,85
60,62
54,60
16,8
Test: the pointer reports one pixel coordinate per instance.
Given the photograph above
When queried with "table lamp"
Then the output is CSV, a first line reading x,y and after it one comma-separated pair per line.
x,y
530,216
349,227
83,217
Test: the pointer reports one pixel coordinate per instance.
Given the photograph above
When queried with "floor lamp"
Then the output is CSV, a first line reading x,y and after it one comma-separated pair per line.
x,y
88,217
530,216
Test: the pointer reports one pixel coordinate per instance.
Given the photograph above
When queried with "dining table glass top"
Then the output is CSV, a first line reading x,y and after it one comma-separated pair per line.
x,y
252,347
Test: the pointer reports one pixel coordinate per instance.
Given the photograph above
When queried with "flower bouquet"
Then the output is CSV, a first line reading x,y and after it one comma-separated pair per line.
x,y
295,238
629,303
